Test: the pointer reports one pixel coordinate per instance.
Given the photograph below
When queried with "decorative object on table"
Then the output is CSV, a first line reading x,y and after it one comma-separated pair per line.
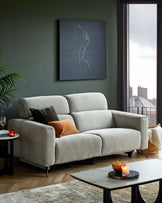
x,y
7,85
117,166
125,170
12,133
121,171
154,140
2,121
131,175
82,46
4,133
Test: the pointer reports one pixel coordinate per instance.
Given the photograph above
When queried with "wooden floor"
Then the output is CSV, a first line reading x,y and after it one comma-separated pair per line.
x,y
27,176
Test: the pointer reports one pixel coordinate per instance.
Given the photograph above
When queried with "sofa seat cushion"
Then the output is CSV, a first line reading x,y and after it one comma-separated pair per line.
x,y
77,147
116,140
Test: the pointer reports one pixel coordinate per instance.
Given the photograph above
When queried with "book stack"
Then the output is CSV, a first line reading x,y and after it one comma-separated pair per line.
x,y
4,133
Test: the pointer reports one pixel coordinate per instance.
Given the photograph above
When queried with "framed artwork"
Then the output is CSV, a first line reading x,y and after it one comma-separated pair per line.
x,y
82,50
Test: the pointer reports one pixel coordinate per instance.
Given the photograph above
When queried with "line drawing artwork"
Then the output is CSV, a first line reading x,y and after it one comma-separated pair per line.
x,y
83,48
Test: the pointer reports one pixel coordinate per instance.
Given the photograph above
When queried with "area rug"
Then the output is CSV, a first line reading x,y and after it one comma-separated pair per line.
x,y
76,192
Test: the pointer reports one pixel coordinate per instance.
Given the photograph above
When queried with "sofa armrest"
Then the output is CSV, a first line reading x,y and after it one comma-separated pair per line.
x,y
36,143
133,121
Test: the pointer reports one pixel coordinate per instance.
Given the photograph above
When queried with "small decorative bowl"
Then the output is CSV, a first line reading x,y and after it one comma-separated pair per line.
x,y
118,172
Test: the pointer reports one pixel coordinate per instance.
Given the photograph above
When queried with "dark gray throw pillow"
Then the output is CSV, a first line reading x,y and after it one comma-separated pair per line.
x,y
44,115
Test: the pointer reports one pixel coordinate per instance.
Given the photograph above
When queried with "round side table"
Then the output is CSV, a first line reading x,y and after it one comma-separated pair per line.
x,y
9,157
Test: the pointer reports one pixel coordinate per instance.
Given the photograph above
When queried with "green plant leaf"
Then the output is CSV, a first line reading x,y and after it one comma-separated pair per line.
x,y
7,86
2,68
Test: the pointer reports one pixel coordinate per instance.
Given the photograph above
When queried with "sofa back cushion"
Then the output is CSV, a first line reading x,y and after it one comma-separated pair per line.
x,y
66,116
59,103
90,120
87,102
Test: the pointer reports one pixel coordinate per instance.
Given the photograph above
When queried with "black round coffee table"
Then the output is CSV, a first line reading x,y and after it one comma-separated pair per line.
x,y
9,157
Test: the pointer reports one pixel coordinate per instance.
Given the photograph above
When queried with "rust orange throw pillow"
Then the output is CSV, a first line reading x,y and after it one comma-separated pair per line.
x,y
64,127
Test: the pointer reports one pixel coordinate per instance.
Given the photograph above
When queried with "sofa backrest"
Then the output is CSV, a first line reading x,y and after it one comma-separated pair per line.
x,y
90,111
59,103
87,111
87,101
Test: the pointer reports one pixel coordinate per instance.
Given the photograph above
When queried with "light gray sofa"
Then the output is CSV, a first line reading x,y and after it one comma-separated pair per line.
x,y
102,131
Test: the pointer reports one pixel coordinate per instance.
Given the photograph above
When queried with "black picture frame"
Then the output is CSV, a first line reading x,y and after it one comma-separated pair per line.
x,y
82,50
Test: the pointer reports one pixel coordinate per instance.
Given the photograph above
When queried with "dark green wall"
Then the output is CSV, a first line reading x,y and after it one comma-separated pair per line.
x,y
29,40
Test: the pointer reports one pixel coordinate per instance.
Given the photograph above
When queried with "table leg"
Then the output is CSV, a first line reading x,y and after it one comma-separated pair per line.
x,y
135,195
107,196
5,167
11,167
159,197
8,167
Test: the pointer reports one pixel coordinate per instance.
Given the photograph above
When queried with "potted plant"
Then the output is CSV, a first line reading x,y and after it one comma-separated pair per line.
x,y
7,85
